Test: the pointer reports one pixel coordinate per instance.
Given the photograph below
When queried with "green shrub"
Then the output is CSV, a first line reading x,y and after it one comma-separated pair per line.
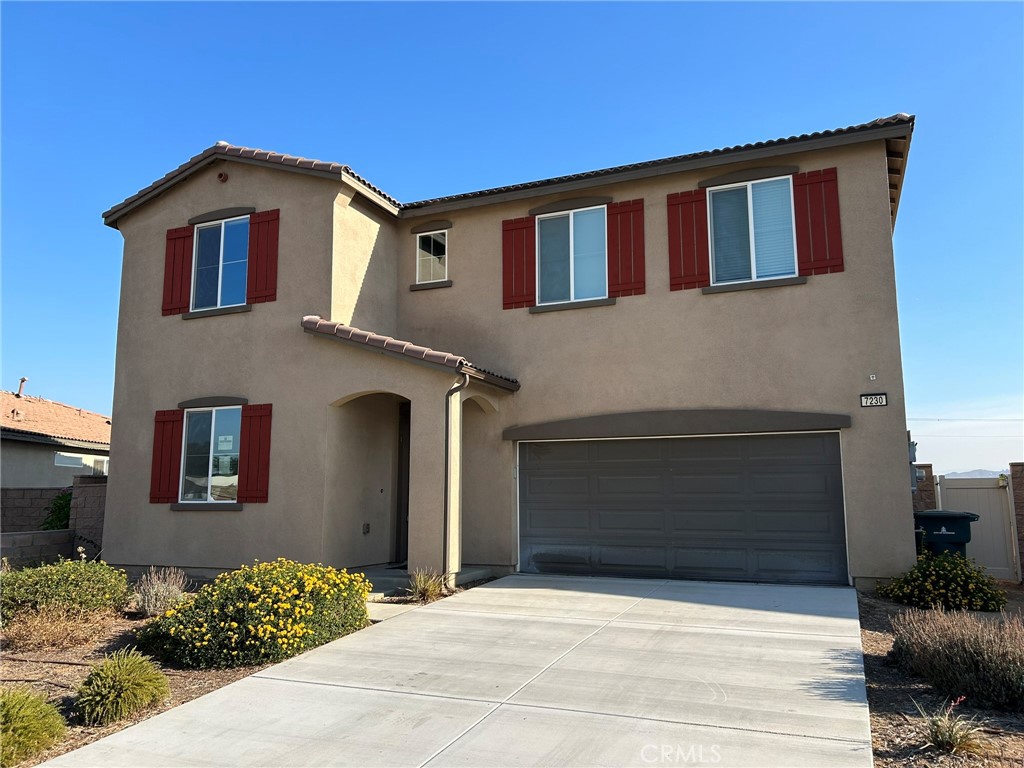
x,y
58,513
74,584
962,654
261,613
949,731
160,589
28,725
125,683
947,580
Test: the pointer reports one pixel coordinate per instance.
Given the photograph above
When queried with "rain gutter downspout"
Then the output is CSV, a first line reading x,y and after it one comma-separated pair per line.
x,y
455,389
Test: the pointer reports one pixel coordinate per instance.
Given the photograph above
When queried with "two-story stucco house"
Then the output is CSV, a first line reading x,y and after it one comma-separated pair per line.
x,y
654,369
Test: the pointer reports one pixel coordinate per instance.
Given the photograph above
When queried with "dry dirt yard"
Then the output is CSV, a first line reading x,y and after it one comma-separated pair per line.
x,y
897,727
58,673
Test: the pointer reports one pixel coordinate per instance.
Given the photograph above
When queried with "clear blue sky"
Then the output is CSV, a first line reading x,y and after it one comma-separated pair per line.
x,y
426,99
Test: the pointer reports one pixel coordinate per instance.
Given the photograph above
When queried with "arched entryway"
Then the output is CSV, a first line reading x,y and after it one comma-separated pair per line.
x,y
366,494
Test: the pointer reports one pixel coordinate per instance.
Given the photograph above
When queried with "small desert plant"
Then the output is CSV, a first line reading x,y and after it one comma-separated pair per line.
x,y
28,725
75,584
160,589
58,514
54,626
964,655
948,580
123,684
951,732
258,614
426,586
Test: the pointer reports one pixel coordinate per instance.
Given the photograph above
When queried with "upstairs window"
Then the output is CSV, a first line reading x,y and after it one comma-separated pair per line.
x,y
213,439
432,257
752,232
572,263
221,264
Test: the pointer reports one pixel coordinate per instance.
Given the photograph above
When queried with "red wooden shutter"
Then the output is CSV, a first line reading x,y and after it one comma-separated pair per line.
x,y
178,270
254,456
261,284
167,433
626,248
519,263
819,241
688,240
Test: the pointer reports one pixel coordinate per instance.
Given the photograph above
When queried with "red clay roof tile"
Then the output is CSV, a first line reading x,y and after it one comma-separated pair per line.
x,y
38,416
317,324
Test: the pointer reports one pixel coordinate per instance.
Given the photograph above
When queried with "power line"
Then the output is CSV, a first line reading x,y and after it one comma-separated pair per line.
x,y
986,437
954,419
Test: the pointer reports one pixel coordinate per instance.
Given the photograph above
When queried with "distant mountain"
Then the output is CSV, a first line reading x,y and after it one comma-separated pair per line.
x,y
978,473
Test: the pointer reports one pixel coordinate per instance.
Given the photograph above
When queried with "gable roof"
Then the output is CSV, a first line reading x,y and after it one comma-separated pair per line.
x,y
54,422
405,349
895,129
224,151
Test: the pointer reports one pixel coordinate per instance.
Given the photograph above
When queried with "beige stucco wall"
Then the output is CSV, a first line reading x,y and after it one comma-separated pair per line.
x,y
804,348
807,347
264,356
364,281
30,465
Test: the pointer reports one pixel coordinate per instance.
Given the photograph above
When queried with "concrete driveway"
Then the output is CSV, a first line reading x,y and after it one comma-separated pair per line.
x,y
546,670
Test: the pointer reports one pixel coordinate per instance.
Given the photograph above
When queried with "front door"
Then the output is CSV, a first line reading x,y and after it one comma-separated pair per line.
x,y
401,553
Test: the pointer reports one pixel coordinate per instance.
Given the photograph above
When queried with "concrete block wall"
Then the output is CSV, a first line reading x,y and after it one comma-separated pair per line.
x,y
24,509
924,496
1017,486
36,547
88,501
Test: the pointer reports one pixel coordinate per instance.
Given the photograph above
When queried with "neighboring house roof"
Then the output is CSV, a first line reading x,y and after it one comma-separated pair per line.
x,y
895,129
406,349
39,420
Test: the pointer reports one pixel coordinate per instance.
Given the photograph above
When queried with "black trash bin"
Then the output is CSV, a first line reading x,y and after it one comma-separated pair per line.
x,y
945,530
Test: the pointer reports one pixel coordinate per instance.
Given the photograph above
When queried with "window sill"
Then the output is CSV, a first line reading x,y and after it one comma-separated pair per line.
x,y
730,287
540,308
200,506
430,286
217,311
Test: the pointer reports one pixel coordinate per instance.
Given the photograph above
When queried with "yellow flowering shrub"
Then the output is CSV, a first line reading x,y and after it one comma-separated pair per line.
x,y
947,580
260,613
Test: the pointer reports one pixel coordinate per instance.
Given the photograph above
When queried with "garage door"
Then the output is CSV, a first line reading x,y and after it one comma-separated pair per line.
x,y
744,508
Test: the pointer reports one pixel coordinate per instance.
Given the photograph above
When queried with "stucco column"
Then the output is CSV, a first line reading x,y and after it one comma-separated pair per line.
x,y
454,542
427,429
426,483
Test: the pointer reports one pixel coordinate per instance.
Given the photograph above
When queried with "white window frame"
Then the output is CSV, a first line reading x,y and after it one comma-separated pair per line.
x,y
79,457
95,463
572,261
220,264
209,467
750,230
446,251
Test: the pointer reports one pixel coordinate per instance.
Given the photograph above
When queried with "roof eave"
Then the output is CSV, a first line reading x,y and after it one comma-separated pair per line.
x,y
483,377
724,157
8,433
213,154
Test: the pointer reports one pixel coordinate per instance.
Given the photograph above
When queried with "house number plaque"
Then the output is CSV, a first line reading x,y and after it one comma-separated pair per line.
x,y
873,400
